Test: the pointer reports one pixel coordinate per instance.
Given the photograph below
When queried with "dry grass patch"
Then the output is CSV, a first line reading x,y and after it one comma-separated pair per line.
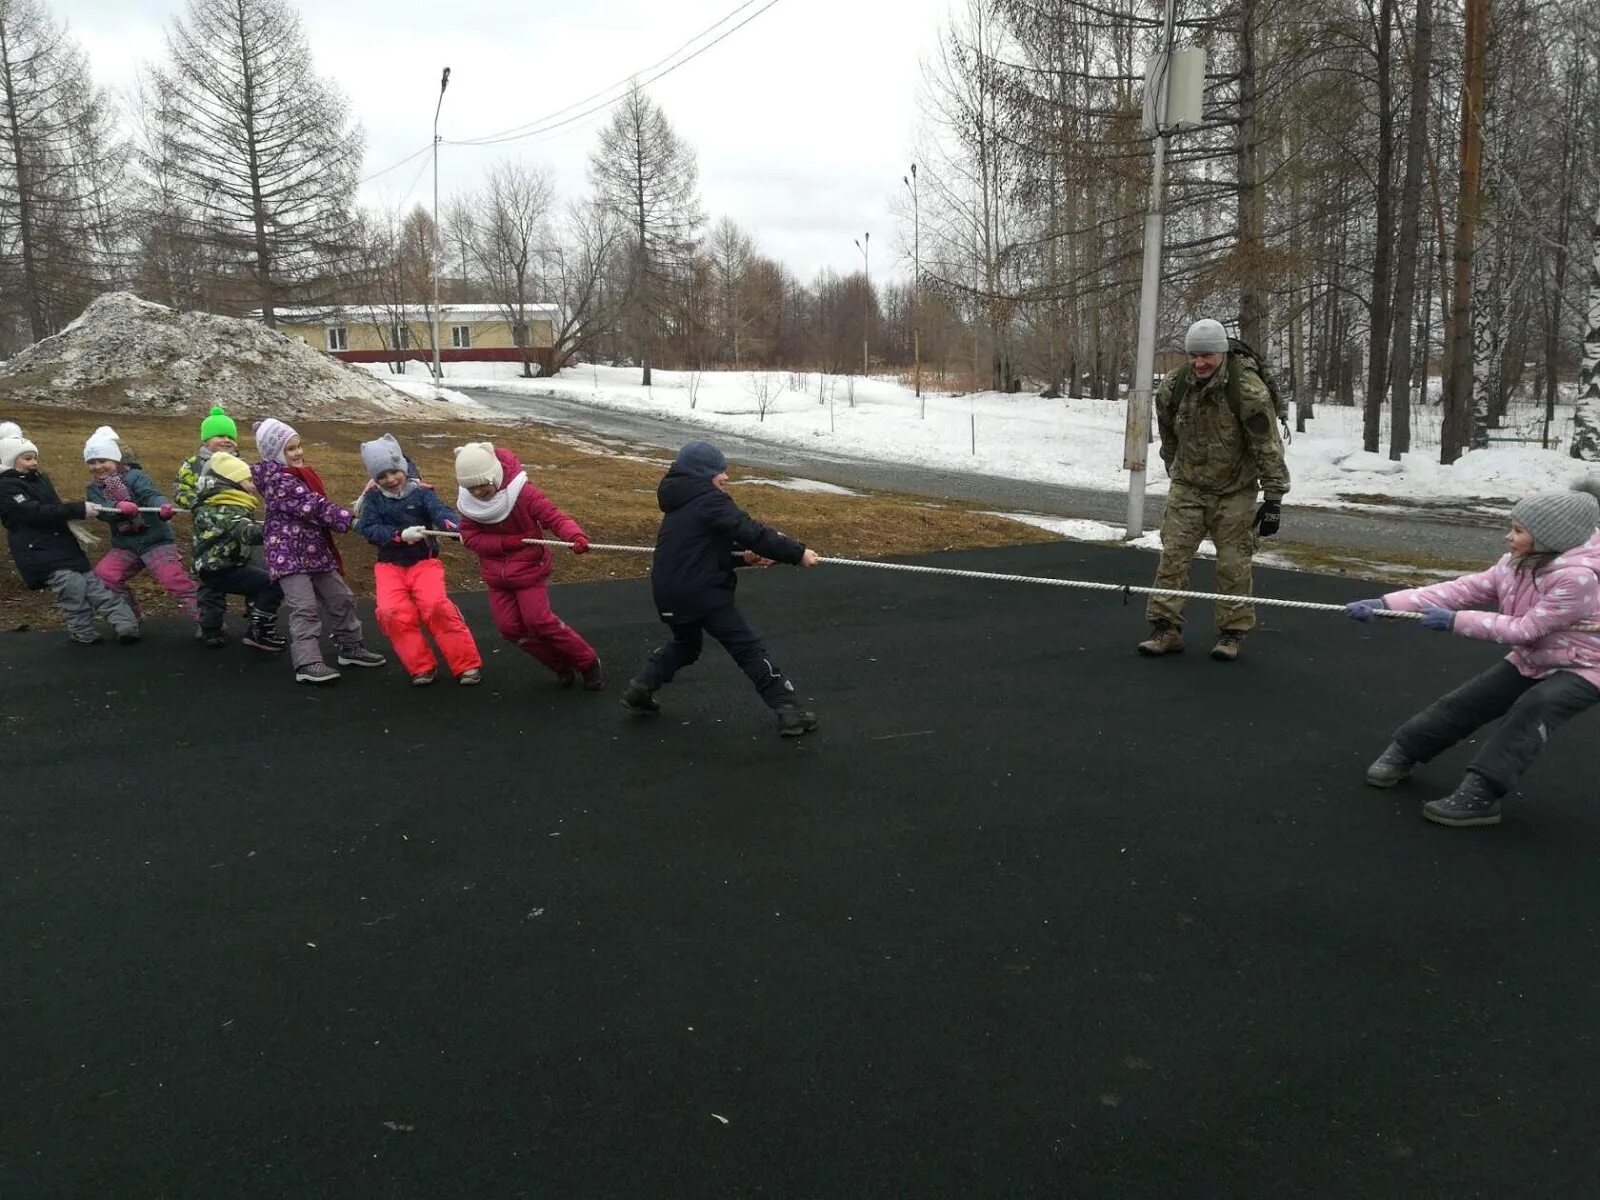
x,y
611,495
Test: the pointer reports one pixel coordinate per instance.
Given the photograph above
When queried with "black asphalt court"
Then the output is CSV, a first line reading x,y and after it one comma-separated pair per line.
x,y
1028,915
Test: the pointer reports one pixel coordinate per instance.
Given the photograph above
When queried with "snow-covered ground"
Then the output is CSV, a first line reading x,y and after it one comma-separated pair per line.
x,y
419,389
1076,442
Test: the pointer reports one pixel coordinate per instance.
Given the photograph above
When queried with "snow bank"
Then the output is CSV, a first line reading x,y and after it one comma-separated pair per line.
x,y
124,353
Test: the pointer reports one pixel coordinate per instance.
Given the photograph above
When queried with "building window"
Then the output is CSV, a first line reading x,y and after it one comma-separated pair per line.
x,y
399,337
461,337
338,338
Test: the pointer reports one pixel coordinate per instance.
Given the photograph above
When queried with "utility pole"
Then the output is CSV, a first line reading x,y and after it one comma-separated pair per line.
x,y
438,371
916,287
866,296
1136,447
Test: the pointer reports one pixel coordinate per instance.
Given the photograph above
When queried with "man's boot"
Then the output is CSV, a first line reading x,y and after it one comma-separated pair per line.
x,y
1229,642
1165,638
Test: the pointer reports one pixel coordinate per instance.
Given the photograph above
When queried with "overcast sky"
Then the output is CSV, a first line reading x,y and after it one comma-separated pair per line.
x,y
803,120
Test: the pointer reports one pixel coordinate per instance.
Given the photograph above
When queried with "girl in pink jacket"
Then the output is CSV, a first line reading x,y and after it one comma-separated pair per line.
x,y
1530,600
499,510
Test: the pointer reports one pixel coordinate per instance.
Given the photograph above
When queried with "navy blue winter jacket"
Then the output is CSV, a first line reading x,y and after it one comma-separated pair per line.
x,y
382,517
36,519
692,575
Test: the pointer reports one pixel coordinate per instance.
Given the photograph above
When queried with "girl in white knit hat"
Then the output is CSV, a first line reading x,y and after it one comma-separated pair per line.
x,y
1530,600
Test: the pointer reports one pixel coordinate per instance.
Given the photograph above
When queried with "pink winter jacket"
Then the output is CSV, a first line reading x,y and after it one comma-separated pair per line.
x,y
1533,610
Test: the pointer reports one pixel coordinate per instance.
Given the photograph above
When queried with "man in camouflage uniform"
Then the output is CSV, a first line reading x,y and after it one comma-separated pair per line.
x,y
1220,444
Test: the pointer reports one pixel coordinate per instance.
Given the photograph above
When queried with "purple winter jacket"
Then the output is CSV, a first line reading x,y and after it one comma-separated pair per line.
x,y
1533,610
297,538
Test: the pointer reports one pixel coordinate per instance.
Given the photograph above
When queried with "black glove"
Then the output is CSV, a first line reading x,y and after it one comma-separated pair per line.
x,y
1269,517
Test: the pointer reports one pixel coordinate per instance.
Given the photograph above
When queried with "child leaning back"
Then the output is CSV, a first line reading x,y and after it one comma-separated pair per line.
x,y
396,515
500,510
227,528
301,557
140,541
45,551
1529,600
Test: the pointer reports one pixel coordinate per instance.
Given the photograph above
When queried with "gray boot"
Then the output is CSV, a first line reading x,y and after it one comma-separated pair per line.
x,y
1474,802
1389,768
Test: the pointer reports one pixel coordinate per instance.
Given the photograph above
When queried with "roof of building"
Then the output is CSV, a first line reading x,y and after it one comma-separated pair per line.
x,y
383,313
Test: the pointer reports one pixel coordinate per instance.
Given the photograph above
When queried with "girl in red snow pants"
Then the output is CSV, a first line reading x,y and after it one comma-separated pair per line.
x,y
524,616
413,598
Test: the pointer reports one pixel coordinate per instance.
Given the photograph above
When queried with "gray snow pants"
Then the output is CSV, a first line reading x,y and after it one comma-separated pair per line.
x,y
1533,710
307,597
79,595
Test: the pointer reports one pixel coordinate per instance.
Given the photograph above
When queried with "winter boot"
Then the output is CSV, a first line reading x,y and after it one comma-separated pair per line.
x,y
794,721
213,639
566,678
1472,803
637,698
594,677
1165,638
1228,645
422,680
360,656
471,677
316,673
1389,768
263,633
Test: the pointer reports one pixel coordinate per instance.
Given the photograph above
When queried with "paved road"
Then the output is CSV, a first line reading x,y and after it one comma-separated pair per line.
x,y
1459,536
1027,916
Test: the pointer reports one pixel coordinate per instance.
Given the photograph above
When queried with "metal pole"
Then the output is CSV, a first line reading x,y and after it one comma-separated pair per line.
x,y
916,289
866,300
1136,449
438,371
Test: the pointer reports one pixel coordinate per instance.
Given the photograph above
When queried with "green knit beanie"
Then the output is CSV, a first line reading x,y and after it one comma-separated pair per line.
x,y
218,424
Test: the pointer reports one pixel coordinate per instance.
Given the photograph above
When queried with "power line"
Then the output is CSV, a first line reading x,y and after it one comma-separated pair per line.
x,y
547,126
393,166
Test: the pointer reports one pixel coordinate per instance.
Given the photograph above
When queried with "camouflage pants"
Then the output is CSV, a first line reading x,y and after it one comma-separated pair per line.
x,y
1192,515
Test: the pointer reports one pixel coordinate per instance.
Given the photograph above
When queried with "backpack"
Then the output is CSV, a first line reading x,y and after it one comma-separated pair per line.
x,y
1241,352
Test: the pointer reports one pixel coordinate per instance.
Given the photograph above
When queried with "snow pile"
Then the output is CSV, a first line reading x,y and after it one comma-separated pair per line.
x,y
124,353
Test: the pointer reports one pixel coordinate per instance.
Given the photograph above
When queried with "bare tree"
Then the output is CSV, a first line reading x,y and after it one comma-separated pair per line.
x,y
510,233
730,250
587,244
260,147
646,175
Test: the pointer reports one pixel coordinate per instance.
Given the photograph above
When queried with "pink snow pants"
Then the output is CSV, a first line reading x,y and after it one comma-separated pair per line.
x,y
413,598
524,617
162,561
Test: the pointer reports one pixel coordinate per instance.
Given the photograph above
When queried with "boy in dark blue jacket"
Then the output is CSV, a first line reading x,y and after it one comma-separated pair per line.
x,y
703,536
395,517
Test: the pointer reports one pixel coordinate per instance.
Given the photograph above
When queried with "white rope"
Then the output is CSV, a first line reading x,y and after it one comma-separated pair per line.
x,y
1081,584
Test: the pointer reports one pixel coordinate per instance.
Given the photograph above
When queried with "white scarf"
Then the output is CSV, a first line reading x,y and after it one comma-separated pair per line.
x,y
492,512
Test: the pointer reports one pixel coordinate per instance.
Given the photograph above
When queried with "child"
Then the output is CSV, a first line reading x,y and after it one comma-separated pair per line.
x,y
692,579
226,527
409,573
499,508
217,433
45,551
139,541
301,557
1549,582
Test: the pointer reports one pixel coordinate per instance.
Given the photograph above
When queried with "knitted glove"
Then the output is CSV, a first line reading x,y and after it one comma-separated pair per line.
x,y
580,545
166,512
127,508
1441,619
92,510
448,526
1269,518
412,534
1364,610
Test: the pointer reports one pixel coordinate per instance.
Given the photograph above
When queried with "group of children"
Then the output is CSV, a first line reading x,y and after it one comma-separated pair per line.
x,y
264,531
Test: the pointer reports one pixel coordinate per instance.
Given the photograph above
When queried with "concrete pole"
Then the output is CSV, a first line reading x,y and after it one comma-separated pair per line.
x,y
1136,447
438,371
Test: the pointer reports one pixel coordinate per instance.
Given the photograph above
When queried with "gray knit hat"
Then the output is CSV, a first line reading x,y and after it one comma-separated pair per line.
x,y
1206,336
382,455
1558,521
700,459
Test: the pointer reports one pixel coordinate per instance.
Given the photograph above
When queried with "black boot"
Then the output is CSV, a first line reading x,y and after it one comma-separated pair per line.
x,y
794,721
637,698
263,633
1474,802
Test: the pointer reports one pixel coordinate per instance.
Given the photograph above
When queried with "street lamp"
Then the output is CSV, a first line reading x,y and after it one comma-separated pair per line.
x,y
438,371
863,244
916,284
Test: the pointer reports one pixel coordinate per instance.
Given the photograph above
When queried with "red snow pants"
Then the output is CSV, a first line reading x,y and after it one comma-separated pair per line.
x,y
413,598
524,617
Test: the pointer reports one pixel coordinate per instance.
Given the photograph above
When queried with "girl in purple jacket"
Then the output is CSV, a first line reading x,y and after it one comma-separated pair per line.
x,y
1530,600
301,556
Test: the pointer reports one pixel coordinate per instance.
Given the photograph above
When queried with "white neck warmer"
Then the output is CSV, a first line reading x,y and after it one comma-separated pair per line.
x,y
492,512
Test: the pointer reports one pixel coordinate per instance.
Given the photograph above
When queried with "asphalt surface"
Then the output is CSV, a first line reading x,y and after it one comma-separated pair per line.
x,y
1443,532
1028,915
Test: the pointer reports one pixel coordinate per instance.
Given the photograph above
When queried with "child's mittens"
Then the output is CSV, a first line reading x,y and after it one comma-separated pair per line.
x,y
1364,610
127,508
91,510
412,534
448,526
1441,619
580,544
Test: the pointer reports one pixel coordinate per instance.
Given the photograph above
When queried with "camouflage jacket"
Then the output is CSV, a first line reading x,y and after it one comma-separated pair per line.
x,y
189,472
1206,446
227,523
